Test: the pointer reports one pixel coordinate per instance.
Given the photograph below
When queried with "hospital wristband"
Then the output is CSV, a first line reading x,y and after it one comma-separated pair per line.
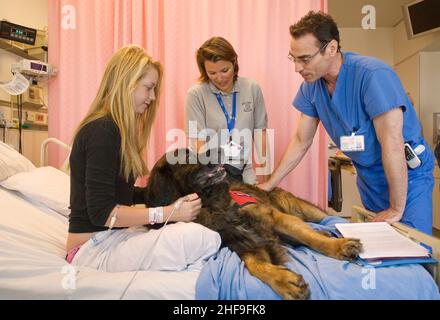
x,y
155,215
114,217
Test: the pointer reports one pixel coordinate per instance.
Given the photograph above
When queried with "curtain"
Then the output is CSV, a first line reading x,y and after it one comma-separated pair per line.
x,y
83,35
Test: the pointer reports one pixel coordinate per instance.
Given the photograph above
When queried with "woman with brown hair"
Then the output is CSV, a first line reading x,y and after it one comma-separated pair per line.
x,y
224,111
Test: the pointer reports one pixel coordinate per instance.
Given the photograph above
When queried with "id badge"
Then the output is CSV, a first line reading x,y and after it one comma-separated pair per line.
x,y
232,150
352,143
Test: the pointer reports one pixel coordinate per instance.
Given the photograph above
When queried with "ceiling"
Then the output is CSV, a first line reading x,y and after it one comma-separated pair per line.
x,y
348,13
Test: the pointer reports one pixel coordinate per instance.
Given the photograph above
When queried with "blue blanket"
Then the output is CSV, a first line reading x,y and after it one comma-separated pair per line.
x,y
225,277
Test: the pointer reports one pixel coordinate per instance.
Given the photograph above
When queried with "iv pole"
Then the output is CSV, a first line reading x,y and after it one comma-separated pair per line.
x,y
20,122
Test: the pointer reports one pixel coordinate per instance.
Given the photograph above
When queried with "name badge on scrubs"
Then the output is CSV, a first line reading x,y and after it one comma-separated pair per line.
x,y
232,150
352,143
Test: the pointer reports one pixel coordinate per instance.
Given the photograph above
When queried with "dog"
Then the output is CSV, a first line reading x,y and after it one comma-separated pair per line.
x,y
254,230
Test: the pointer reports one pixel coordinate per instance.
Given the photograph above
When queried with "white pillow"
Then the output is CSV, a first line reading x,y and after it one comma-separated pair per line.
x,y
12,162
45,185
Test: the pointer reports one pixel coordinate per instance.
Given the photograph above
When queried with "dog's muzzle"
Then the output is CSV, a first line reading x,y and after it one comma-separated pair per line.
x,y
211,175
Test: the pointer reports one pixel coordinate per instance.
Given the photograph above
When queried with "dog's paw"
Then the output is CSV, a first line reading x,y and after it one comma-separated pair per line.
x,y
349,249
291,286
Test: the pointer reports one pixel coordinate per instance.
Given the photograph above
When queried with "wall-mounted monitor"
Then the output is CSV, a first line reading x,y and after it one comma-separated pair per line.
x,y
421,17
15,32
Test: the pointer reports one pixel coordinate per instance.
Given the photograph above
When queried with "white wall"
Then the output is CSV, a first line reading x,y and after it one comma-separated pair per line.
x,y
378,43
405,48
408,71
407,56
429,91
30,13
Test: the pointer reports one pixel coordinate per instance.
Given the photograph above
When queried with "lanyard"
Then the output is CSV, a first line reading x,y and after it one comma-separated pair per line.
x,y
229,121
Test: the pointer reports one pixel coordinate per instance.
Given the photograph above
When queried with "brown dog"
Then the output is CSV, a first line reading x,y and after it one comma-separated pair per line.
x,y
254,231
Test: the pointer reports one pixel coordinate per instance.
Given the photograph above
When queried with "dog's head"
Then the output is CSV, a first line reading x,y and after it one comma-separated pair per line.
x,y
178,173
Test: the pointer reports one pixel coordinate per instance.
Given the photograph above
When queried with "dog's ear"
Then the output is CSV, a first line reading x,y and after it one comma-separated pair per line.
x,y
161,189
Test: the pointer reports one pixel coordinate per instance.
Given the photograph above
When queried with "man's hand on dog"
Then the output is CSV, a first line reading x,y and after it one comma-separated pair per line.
x,y
186,208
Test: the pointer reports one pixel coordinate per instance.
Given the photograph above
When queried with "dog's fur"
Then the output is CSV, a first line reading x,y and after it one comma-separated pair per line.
x,y
255,231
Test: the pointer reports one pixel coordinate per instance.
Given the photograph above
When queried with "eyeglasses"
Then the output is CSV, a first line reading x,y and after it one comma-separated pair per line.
x,y
307,59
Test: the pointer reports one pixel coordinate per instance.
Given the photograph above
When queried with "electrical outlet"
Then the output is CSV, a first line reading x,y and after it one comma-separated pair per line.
x,y
13,123
35,94
40,118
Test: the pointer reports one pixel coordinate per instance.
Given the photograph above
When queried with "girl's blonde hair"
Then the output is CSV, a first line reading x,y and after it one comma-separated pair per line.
x,y
115,98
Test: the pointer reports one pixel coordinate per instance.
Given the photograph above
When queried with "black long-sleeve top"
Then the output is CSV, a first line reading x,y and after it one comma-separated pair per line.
x,y
96,182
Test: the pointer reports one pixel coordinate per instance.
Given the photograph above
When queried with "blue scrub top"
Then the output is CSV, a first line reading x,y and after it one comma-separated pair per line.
x,y
366,88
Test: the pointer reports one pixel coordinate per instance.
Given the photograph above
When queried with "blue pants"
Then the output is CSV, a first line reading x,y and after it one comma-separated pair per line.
x,y
373,189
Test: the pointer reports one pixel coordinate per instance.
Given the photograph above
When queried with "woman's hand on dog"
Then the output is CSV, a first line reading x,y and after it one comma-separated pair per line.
x,y
266,186
185,209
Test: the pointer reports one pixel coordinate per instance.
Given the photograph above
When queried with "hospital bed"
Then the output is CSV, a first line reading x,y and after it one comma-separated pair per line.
x,y
33,229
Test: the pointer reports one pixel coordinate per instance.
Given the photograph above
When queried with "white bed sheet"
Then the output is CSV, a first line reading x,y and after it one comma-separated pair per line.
x,y
32,239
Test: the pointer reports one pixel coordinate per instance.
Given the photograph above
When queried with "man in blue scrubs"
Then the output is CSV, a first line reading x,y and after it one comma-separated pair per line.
x,y
367,113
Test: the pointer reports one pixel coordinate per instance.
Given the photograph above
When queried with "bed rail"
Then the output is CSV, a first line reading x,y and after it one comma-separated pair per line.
x,y
65,166
360,214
